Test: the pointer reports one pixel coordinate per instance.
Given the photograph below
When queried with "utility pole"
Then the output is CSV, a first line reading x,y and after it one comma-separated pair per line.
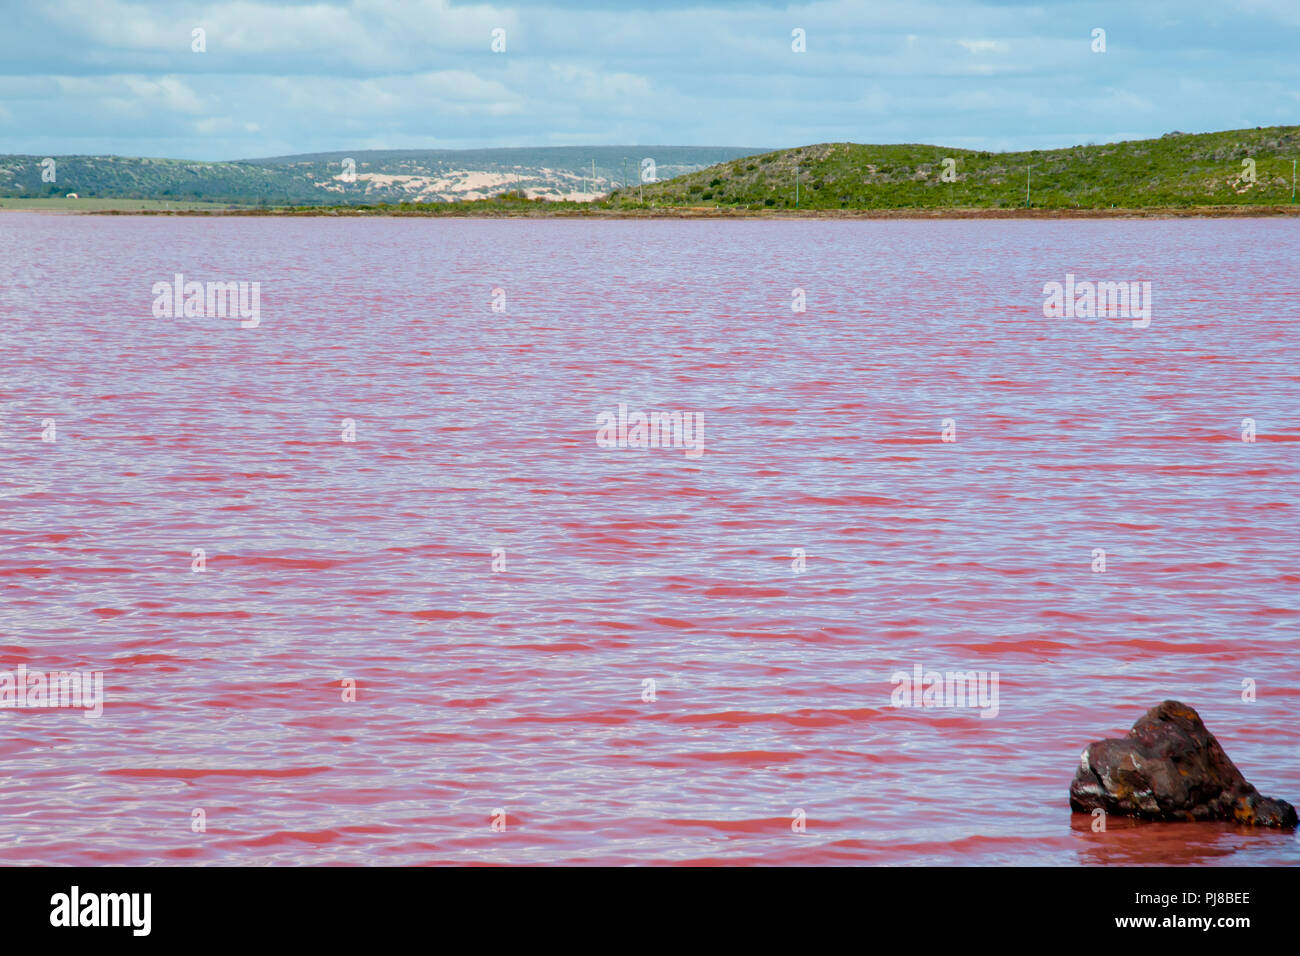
x,y
593,174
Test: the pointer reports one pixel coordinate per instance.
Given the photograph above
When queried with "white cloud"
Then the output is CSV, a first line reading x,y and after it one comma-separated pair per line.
x,y
131,94
980,47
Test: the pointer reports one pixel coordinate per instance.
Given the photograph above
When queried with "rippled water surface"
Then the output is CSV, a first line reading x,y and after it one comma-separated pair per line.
x,y
521,690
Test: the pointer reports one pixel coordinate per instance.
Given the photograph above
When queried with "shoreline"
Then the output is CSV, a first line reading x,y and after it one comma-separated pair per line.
x,y
688,212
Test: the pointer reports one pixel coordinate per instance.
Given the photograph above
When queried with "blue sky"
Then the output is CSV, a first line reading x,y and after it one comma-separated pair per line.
x,y
119,76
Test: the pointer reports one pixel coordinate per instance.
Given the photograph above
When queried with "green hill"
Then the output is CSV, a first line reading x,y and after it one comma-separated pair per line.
x,y
1176,170
376,176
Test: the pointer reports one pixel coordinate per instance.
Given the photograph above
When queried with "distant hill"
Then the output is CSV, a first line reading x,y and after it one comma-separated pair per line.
x,y
1248,167
1177,170
377,176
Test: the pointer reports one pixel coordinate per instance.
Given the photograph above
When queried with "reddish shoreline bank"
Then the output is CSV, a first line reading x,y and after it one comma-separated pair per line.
x,y
1196,212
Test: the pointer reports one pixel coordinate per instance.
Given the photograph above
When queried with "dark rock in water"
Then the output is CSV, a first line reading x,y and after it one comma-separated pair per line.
x,y
1170,767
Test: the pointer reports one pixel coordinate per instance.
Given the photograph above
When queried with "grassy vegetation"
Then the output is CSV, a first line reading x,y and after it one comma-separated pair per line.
x,y
94,204
505,204
1175,171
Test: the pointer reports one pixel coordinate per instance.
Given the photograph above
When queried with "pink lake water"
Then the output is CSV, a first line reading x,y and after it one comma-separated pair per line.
x,y
521,690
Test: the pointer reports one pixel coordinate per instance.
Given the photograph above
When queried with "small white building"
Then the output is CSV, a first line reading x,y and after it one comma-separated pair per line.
x,y
73,196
